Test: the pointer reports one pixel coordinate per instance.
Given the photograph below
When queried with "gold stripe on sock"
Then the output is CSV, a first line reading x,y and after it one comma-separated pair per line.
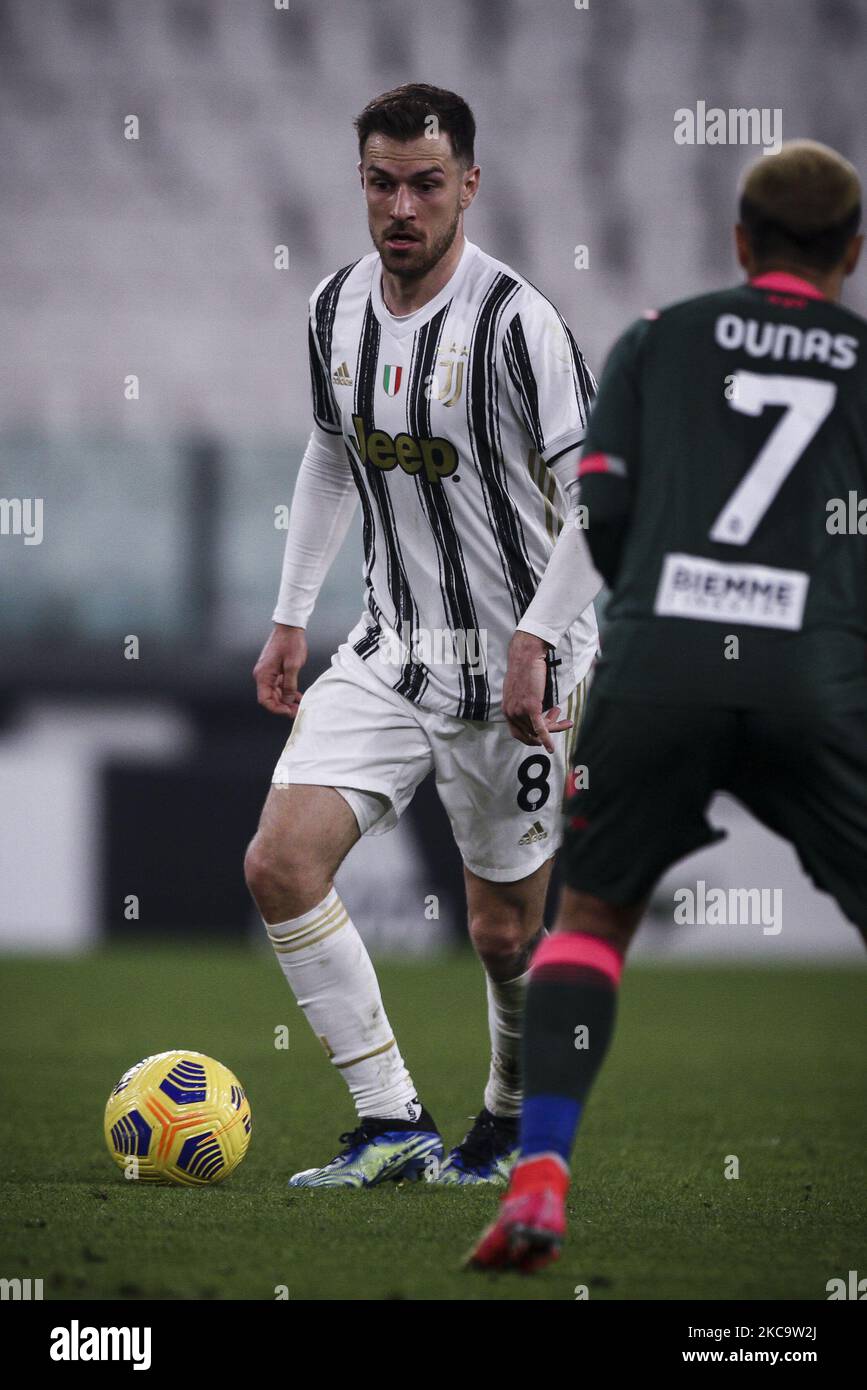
x,y
324,919
312,940
341,1066
319,920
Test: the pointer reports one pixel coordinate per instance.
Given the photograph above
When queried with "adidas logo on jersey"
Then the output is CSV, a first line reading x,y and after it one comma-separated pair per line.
x,y
341,376
536,833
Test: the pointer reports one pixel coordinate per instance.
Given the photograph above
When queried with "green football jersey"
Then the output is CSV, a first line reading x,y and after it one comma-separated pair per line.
x,y
725,479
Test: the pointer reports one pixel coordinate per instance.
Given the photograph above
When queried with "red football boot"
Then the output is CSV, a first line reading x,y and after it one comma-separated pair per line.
x,y
531,1226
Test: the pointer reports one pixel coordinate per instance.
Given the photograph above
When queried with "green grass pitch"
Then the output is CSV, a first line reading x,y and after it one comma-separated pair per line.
x,y
767,1065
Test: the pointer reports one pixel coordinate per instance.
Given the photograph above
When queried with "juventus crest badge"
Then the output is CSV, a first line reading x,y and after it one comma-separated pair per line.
x,y
446,382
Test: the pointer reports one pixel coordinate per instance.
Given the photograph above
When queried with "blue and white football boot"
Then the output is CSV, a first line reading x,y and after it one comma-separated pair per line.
x,y
487,1154
380,1151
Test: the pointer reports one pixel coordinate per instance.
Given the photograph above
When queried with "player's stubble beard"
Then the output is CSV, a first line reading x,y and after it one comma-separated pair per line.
x,y
407,271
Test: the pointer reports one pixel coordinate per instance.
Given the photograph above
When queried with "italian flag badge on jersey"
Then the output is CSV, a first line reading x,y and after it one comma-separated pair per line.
x,y
391,380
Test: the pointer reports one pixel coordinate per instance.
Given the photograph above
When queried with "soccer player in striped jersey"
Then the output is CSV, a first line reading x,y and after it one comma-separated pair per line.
x,y
450,400
725,477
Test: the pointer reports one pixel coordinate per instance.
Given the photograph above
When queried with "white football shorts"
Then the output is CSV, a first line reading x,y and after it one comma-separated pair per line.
x,y
503,799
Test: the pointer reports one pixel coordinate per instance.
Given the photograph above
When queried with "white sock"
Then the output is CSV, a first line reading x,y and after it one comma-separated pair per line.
x,y
503,1093
331,975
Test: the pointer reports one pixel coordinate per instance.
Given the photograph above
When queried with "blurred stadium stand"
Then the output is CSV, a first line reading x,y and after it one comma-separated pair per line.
x,y
155,257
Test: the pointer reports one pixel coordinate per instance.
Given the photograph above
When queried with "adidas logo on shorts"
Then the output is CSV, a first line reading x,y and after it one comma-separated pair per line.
x,y
536,832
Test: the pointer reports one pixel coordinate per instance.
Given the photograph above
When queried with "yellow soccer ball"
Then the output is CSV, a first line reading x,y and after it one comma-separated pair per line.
x,y
178,1117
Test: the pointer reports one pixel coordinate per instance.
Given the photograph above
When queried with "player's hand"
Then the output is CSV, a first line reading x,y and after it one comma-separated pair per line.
x,y
524,691
276,672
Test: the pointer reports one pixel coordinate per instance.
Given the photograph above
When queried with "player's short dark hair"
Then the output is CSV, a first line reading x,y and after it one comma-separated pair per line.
x,y
821,250
404,114
802,205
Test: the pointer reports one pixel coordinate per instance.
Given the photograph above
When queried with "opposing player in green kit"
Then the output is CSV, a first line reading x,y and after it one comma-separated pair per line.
x,y
725,479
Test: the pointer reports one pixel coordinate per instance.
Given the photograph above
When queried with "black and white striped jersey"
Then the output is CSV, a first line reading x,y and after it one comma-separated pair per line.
x,y
453,419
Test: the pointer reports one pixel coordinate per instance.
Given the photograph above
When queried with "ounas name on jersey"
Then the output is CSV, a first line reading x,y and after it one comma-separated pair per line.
x,y
736,423
453,420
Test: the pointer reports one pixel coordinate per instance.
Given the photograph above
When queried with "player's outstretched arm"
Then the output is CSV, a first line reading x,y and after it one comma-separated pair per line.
x,y
568,586
322,506
611,458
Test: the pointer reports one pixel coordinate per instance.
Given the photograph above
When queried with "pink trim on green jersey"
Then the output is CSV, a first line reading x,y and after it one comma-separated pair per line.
x,y
786,284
